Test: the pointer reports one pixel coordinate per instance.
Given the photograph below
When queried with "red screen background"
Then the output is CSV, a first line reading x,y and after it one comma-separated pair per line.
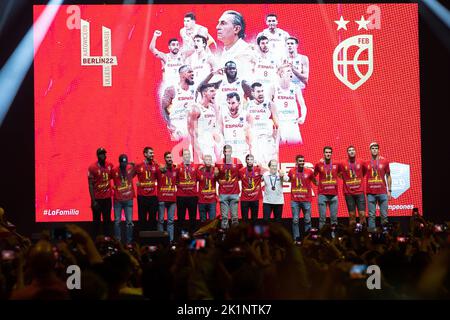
x,y
75,114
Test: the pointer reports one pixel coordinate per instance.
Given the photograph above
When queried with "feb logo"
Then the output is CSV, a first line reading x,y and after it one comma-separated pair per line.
x,y
353,57
342,64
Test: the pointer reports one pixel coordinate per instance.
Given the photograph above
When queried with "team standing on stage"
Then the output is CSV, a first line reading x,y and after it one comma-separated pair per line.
x,y
225,110
187,186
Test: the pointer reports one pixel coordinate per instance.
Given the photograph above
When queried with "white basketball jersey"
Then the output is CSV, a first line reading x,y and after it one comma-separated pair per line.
x,y
234,131
286,103
298,63
171,67
262,122
265,69
200,66
181,105
206,124
277,41
226,88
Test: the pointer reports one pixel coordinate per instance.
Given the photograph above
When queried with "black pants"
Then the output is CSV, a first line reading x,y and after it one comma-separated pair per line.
x,y
147,212
189,203
277,211
102,212
247,206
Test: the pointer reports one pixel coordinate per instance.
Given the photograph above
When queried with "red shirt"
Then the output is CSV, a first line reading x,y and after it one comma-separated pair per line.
x,y
186,180
146,173
206,185
352,176
251,183
123,185
376,171
101,177
327,178
301,188
229,176
166,185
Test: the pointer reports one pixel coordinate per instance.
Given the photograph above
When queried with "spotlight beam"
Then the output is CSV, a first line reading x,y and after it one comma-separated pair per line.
x,y
16,67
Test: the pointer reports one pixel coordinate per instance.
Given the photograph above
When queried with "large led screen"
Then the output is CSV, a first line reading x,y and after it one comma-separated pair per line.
x,y
330,75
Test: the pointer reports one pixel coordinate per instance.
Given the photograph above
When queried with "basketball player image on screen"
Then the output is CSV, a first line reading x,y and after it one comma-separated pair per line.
x,y
277,37
264,126
265,68
235,127
177,101
191,29
230,83
287,97
171,61
231,32
298,62
203,124
201,61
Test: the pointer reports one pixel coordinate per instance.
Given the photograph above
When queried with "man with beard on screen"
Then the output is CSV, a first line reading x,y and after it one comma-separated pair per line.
x,y
266,66
176,104
230,82
276,37
203,126
235,126
171,61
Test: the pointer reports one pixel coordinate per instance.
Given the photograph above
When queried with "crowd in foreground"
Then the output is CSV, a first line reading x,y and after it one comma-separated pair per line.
x,y
247,261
